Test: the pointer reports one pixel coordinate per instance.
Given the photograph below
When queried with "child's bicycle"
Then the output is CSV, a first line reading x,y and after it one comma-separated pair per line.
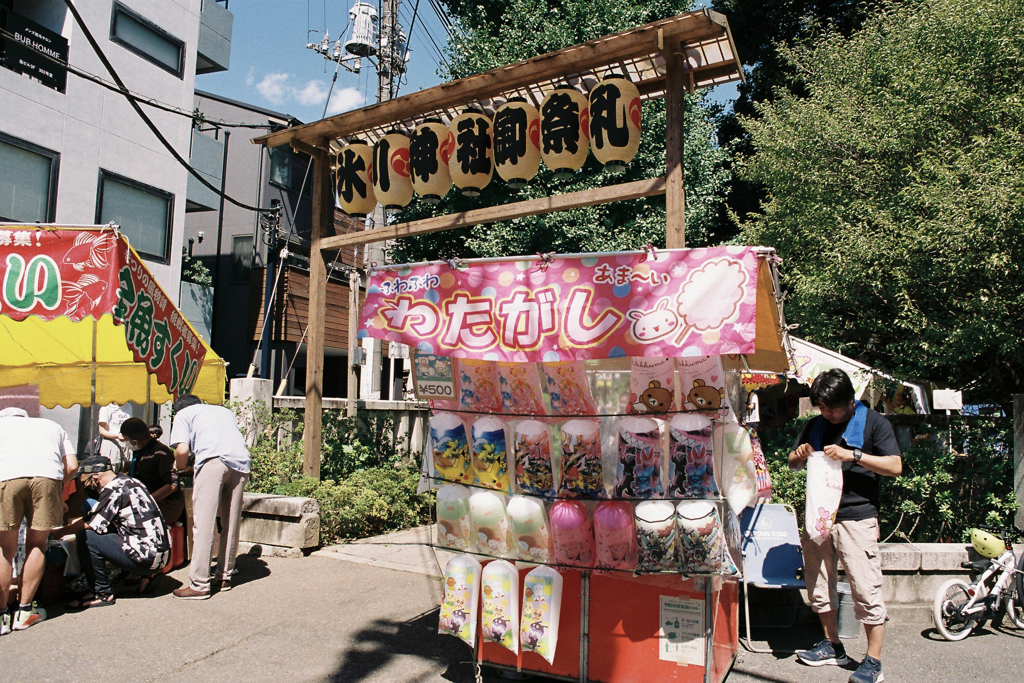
x,y
996,591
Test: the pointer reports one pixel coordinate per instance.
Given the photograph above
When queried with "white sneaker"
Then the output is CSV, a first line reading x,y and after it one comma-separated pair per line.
x,y
5,624
28,618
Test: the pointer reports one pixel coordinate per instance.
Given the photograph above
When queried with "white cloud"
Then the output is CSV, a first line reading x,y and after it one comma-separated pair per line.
x,y
250,78
274,87
344,100
313,92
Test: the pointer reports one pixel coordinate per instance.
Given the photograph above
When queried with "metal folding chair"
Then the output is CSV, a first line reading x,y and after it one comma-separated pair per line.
x,y
771,558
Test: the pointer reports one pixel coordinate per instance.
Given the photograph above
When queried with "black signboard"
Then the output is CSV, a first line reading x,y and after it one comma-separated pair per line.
x,y
24,52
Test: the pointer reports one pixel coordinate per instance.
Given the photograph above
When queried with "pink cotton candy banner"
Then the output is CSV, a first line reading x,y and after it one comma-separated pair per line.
x,y
681,302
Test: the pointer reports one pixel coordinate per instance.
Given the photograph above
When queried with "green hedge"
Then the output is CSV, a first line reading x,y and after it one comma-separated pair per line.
x,y
941,494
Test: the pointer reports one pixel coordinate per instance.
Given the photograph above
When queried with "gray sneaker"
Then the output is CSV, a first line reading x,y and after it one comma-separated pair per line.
x,y
869,671
824,653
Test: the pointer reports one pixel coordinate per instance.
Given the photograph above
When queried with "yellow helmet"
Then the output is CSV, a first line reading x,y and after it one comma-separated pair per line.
x,y
986,544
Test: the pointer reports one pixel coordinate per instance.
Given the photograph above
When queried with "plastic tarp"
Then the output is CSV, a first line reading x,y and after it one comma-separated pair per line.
x,y
61,286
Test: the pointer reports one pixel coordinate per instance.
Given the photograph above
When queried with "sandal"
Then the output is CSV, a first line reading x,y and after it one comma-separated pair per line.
x,y
87,601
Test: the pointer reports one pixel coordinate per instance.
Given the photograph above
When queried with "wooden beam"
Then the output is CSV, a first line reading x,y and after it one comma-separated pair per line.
x,y
675,200
642,40
506,212
323,215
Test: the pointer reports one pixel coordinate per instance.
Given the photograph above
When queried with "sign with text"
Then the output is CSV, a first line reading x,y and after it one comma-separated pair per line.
x,y
78,274
682,302
26,52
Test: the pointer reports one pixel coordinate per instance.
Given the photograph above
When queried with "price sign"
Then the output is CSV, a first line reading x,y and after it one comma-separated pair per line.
x,y
434,378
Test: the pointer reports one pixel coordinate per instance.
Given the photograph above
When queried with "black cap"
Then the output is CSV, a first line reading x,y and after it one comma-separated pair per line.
x,y
94,464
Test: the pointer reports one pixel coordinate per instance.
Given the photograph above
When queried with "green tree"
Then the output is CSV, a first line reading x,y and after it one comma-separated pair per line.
x,y
493,34
895,194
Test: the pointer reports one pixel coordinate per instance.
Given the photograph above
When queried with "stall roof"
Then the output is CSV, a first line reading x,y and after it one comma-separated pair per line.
x,y
710,59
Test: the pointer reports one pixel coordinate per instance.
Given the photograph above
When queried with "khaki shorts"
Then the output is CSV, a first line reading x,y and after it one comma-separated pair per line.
x,y
38,499
855,542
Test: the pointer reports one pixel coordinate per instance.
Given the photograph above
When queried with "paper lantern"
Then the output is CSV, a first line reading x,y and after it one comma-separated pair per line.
x,y
490,524
530,531
471,164
572,534
390,174
490,453
542,608
453,526
450,450
499,619
565,131
615,122
516,139
355,191
615,533
639,470
430,149
461,595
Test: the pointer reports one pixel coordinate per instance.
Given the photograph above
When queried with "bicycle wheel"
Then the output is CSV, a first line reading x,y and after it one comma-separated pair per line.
x,y
947,610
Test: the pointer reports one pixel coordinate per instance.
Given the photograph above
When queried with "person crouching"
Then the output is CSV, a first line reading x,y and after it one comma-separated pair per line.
x,y
125,528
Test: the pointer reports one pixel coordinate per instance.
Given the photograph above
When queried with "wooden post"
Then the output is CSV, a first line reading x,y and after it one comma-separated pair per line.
x,y
353,343
675,201
323,214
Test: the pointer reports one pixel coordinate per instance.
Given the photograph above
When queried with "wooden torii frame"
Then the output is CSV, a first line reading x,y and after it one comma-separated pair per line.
x,y
665,58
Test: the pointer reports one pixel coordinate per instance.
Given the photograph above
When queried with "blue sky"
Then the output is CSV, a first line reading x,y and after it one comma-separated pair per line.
x,y
272,68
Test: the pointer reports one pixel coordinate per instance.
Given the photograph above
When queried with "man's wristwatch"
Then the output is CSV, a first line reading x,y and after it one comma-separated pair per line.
x,y
857,454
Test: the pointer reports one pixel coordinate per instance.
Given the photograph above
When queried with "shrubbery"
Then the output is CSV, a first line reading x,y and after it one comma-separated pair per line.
x,y
941,494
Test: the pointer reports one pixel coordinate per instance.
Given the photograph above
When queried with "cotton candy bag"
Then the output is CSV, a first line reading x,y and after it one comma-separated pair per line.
x,y
490,524
572,533
615,533
490,453
824,492
656,536
461,596
450,450
535,473
738,482
702,542
499,618
531,533
453,526
542,606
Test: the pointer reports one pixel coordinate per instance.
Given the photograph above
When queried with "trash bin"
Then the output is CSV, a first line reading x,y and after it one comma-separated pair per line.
x,y
849,627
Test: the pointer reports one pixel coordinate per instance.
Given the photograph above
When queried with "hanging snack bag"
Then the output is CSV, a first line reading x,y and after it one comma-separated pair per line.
x,y
453,526
535,473
762,476
691,468
490,453
702,543
520,388
738,483
702,386
824,492
542,606
450,450
639,469
531,535
569,388
572,533
499,618
615,533
582,474
461,593
478,386
652,386
656,536
490,524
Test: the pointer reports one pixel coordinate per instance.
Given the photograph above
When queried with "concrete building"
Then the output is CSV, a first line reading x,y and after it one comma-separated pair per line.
x,y
74,152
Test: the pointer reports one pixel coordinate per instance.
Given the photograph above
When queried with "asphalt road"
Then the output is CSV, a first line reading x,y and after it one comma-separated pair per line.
x,y
321,619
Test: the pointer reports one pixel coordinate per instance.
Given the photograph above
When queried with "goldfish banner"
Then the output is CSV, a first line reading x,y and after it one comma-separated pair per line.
x,y
50,273
664,303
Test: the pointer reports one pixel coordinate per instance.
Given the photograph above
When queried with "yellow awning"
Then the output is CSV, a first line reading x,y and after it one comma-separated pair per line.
x,y
56,355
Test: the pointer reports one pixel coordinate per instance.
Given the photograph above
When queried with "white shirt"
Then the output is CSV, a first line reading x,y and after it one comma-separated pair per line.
x,y
211,432
753,409
113,416
33,447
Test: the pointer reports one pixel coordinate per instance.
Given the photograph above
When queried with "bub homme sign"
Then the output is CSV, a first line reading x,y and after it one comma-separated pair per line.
x,y
26,52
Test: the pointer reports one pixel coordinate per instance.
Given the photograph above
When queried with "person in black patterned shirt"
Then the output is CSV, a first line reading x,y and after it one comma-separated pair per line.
x,y
125,528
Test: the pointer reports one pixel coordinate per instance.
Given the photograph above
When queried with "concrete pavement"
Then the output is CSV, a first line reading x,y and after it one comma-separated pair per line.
x,y
367,611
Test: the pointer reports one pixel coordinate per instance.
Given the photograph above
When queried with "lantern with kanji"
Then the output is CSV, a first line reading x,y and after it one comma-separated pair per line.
x,y
615,122
355,191
564,131
516,142
430,148
471,164
390,172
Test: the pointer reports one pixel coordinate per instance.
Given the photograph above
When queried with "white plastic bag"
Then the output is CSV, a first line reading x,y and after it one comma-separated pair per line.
x,y
824,491
461,597
542,606
499,619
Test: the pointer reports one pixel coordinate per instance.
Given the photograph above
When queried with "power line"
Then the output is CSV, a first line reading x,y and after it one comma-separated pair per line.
x,y
145,118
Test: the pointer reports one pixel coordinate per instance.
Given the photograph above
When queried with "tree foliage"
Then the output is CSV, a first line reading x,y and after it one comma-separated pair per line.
x,y
895,192
496,33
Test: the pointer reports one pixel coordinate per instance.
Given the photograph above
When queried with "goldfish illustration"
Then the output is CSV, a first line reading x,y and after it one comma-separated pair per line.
x,y
90,251
84,294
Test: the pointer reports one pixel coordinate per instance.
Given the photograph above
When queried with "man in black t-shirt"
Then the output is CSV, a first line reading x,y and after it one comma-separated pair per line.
x,y
864,442
152,463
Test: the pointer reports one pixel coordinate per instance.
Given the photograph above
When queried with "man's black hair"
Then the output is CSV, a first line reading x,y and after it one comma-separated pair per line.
x,y
832,389
184,401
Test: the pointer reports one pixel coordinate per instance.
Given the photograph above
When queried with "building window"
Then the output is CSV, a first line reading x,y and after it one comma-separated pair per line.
x,y
147,40
143,212
288,169
28,181
241,258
